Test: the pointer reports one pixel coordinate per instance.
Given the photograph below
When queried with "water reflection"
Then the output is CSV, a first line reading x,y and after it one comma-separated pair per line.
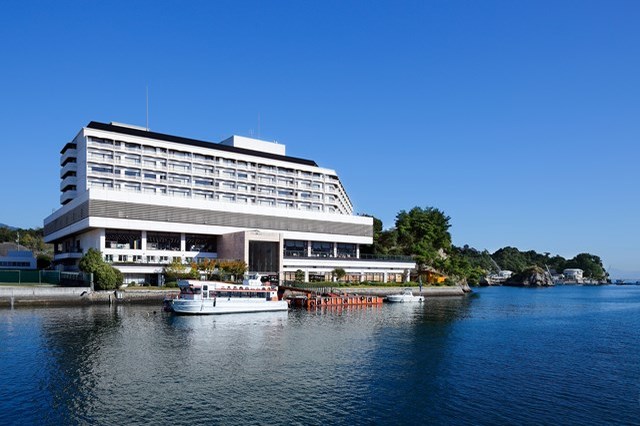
x,y
129,363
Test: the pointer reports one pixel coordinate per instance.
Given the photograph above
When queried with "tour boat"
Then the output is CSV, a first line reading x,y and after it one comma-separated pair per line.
x,y
405,296
213,297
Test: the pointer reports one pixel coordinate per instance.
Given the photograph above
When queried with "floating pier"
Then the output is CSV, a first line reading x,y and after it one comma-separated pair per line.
x,y
313,300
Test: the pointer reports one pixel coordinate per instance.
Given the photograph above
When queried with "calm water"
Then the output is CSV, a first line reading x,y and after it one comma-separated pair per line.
x,y
567,355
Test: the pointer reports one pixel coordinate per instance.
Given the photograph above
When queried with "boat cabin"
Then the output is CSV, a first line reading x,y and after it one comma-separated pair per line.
x,y
198,290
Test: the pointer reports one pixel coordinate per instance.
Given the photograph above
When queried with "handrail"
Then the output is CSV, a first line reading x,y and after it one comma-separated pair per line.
x,y
373,257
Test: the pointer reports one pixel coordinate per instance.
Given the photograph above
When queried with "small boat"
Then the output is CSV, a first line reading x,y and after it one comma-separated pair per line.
x,y
213,297
405,296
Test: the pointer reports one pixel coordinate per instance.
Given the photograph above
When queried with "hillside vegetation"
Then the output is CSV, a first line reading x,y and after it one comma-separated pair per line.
x,y
424,234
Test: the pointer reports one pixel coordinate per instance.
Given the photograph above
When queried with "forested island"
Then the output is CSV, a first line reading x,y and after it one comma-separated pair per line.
x,y
424,234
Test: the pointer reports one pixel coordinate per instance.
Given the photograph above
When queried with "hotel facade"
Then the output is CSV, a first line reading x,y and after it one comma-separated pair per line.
x,y
144,198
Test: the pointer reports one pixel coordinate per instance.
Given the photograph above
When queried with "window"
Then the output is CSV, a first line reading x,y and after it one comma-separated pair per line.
x,y
321,249
132,159
163,241
203,181
123,239
196,242
346,250
133,187
101,169
206,195
132,146
295,248
99,183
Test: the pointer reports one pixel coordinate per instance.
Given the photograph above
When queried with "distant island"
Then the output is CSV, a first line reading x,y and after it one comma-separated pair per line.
x,y
424,234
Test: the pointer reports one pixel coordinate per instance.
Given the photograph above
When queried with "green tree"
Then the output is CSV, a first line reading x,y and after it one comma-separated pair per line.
x,y
208,266
91,260
105,276
339,273
590,264
299,276
512,259
424,233
43,261
232,269
176,270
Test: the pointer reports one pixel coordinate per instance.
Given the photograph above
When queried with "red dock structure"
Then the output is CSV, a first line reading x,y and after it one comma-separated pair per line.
x,y
313,300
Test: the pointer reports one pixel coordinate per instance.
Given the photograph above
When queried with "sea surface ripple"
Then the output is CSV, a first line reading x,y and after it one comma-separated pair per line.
x,y
564,355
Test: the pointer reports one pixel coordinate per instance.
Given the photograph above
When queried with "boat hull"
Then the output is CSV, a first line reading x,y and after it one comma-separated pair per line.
x,y
403,298
221,306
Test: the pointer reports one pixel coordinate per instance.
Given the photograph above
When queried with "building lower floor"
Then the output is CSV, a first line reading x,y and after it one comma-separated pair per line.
x,y
142,255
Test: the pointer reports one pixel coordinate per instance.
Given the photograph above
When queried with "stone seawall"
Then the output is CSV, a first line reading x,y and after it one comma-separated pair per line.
x,y
15,296
48,296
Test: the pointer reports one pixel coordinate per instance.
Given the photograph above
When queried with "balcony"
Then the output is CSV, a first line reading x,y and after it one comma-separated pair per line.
x,y
69,155
346,256
68,253
67,196
69,167
68,181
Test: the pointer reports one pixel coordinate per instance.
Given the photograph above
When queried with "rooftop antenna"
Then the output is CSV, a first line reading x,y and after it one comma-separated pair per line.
x,y
147,107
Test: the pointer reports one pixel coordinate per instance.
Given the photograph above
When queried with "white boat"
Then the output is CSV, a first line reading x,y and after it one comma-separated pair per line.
x,y
404,297
213,297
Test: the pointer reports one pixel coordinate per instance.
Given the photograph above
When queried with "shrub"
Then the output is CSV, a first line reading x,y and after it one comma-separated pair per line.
x,y
105,276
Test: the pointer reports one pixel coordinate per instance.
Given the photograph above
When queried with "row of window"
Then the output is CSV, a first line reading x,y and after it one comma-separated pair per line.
x,y
14,264
125,239
299,248
106,145
106,169
210,195
124,258
183,161
353,278
205,183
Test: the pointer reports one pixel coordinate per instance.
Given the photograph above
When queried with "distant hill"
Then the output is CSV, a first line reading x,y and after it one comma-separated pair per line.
x,y
13,228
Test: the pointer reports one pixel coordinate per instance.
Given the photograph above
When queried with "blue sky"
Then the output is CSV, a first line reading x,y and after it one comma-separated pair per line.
x,y
519,119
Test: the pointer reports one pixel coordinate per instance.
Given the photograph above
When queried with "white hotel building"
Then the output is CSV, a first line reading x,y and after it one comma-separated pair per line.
x,y
144,198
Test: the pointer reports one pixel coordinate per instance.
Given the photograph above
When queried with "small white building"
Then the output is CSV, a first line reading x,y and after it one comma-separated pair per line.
x,y
505,274
15,256
574,274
